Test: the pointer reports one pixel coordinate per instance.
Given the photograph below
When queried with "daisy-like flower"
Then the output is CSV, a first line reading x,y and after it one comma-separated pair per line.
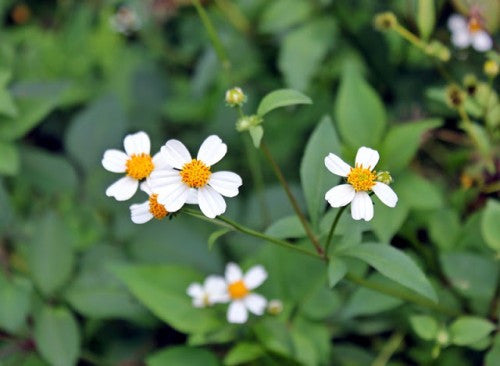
x,y
211,292
135,162
465,33
175,184
360,180
239,287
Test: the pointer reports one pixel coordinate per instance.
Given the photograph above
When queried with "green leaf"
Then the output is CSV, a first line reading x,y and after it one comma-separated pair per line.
x,y
57,336
183,355
394,264
425,326
387,220
493,356
216,235
281,98
6,213
288,227
402,141
282,14
9,158
316,179
467,330
243,352
360,114
417,192
50,255
274,336
303,50
320,303
7,106
256,133
490,224
15,303
426,18
162,289
336,271
444,228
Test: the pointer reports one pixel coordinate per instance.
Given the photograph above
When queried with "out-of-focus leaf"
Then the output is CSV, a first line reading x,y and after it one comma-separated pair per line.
x,y
183,355
311,342
444,228
394,264
274,336
7,105
387,220
282,14
216,235
50,254
426,18
490,224
303,50
288,227
467,330
360,114
243,352
425,326
281,98
315,177
493,356
320,303
336,271
417,192
57,336
9,158
256,133
15,303
6,213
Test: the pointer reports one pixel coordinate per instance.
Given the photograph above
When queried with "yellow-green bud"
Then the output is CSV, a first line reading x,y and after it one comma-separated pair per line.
x,y
438,50
491,68
275,307
384,177
235,97
455,97
247,122
470,83
443,337
385,20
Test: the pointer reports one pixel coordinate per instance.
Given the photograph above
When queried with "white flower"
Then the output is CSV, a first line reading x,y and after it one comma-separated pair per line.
x,y
239,288
360,180
125,21
135,162
174,184
465,33
212,291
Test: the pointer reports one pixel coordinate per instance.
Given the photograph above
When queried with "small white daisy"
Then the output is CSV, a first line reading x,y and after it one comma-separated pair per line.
x,y
213,291
465,33
125,21
239,288
360,180
135,162
174,184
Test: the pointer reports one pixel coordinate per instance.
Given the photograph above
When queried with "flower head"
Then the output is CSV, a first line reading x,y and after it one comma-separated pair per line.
x,y
175,184
467,32
212,291
125,20
135,162
235,97
239,287
360,180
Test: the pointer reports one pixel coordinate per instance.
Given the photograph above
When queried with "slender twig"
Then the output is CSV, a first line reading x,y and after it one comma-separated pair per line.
x,y
389,348
332,228
234,15
409,36
293,201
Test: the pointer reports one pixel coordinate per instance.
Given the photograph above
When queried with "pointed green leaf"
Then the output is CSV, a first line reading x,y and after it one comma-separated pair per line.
x,y
336,271
288,227
426,18
425,326
243,353
9,158
183,355
216,235
467,330
490,224
281,98
256,133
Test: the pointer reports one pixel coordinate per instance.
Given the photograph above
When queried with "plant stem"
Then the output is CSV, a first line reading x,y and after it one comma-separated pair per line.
x,y
293,201
332,228
234,15
389,348
409,36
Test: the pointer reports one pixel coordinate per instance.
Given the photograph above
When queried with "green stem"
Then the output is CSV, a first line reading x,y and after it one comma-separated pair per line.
x,y
332,228
293,201
234,15
389,348
409,36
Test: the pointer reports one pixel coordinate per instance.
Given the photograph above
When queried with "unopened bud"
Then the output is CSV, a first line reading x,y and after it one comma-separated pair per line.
x,y
455,97
275,307
438,50
247,122
385,21
442,337
384,177
491,68
235,97
470,84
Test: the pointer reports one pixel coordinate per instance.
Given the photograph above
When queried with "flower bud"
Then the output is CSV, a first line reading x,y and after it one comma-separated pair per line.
x,y
470,84
455,97
491,68
235,97
438,50
275,307
247,122
443,337
385,20
384,177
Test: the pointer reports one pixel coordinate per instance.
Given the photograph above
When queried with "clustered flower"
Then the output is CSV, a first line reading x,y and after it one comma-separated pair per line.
x,y
469,32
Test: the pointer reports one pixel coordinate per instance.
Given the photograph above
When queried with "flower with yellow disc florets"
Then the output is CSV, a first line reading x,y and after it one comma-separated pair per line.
x,y
211,292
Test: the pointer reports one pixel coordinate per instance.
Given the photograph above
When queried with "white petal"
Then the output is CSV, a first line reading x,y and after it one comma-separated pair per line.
x,y
215,285
115,161
362,206
122,189
211,202
237,312
199,302
255,277
139,213
385,194
174,198
481,41
212,150
457,23
192,197
137,143
233,272
195,290
160,162
146,187
461,39
226,183
255,303
175,154
367,157
340,195
336,165
164,179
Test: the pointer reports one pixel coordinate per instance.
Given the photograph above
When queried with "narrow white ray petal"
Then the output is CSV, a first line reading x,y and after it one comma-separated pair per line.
x,y
336,165
211,202
160,162
367,157
457,23
226,183
368,209
115,161
146,187
192,197
174,198
199,302
255,303
139,213
175,154
163,179
122,189
362,206
212,150
461,39
233,273
385,194
215,285
137,143
195,290
237,312
340,195
481,41
254,277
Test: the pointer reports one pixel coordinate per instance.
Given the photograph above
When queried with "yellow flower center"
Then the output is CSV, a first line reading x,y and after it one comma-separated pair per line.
x,y
195,173
237,290
156,209
139,166
361,179
474,25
